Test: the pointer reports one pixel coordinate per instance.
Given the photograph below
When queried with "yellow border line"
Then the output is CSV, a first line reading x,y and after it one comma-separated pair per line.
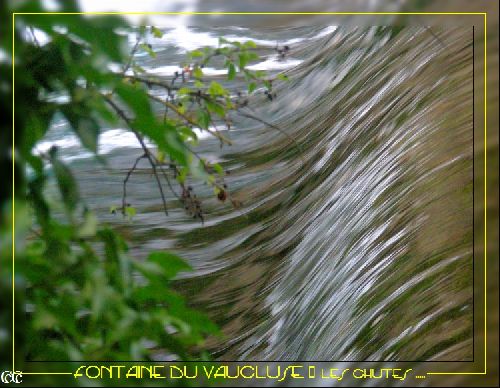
x,y
485,14
44,373
257,13
485,180
13,194
248,13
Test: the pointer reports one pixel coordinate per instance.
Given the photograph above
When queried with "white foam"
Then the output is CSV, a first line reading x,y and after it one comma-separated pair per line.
x,y
65,142
109,140
187,38
169,70
274,63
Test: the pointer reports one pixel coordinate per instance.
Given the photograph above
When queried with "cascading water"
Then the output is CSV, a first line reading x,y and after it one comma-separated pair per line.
x,y
354,240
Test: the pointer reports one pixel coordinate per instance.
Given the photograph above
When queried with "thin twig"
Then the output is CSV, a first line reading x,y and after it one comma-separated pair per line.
x,y
131,57
164,173
213,124
189,119
129,173
250,116
124,117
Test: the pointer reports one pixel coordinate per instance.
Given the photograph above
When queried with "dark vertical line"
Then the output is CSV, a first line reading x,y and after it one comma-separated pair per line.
x,y
473,195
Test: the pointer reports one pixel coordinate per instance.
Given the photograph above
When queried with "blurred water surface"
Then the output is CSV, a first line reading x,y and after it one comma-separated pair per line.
x,y
354,241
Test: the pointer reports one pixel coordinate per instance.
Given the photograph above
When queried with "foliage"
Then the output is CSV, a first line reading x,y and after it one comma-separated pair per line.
x,y
85,296
193,103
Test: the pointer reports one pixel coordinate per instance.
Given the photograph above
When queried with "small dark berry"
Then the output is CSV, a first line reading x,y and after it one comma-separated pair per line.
x,y
222,195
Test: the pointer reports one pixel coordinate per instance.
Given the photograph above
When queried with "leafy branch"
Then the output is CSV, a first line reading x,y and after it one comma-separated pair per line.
x,y
147,155
191,103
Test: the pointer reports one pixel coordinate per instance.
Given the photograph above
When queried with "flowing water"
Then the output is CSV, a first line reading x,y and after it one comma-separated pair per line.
x,y
354,238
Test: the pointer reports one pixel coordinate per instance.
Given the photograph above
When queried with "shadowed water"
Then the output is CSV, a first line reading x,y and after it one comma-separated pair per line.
x,y
354,240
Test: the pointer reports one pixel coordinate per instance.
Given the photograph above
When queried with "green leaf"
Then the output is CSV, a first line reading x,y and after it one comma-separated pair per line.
x,y
243,60
260,73
152,292
88,132
187,134
196,53
66,182
138,101
146,47
175,147
164,135
216,89
98,32
99,106
170,263
130,212
184,91
231,71
282,77
89,226
251,87
197,72
181,178
138,69
218,168
38,122
85,127
251,56
160,156
211,180
216,108
223,41
203,119
157,33
250,44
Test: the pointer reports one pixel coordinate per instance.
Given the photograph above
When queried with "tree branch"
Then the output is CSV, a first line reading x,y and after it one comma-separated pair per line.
x,y
147,153
129,173
188,119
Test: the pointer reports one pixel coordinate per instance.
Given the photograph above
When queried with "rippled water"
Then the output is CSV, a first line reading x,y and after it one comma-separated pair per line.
x,y
354,241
